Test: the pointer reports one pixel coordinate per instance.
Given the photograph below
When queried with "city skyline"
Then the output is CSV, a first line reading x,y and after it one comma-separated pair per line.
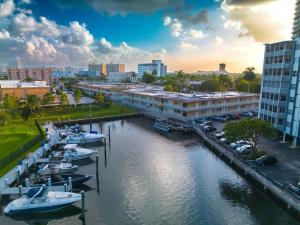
x,y
186,35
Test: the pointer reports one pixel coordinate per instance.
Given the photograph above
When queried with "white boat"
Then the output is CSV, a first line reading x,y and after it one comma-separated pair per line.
x,y
59,168
85,138
74,152
40,200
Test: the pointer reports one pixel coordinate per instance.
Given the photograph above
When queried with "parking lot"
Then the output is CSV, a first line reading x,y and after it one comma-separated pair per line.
x,y
287,170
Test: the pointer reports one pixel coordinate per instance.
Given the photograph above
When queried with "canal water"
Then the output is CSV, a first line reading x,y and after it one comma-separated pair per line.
x,y
152,179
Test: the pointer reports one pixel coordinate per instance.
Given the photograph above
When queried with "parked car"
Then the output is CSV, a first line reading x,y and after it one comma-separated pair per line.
x,y
219,134
222,118
231,116
254,112
247,114
223,140
199,120
267,160
244,149
206,123
238,144
209,128
294,188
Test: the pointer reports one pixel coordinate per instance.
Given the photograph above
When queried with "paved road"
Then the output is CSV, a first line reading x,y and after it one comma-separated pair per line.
x,y
83,99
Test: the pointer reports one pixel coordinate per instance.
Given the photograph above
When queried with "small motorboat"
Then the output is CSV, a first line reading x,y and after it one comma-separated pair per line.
x,y
69,131
85,138
40,200
61,179
59,168
162,127
74,152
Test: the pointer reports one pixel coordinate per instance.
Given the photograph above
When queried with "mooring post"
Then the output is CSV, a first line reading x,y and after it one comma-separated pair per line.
x,y
20,190
27,184
101,128
6,183
18,175
105,144
26,168
109,134
65,187
49,182
70,183
82,206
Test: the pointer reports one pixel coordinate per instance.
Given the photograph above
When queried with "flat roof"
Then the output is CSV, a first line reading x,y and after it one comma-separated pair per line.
x,y
157,91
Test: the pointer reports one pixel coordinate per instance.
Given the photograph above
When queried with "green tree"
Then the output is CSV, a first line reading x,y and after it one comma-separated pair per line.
x,y
99,98
48,98
77,95
11,103
251,130
3,118
241,84
28,79
33,102
168,87
26,113
149,78
63,99
226,82
249,74
211,85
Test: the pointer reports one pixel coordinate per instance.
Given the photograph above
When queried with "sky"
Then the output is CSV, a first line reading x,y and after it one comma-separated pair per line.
x,y
187,35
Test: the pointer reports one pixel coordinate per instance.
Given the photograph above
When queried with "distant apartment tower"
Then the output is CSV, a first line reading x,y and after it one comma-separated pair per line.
x,y
35,73
115,68
155,67
97,70
280,91
222,67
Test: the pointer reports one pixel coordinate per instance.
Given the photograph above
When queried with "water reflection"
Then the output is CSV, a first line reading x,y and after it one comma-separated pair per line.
x,y
242,195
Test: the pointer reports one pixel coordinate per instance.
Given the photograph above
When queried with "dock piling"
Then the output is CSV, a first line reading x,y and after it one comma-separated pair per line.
x,y
6,185
26,168
101,127
82,206
109,134
70,183
20,190
27,184
18,175
49,182
65,187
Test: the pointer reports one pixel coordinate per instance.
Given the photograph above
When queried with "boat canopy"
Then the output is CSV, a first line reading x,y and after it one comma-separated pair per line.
x,y
70,146
36,192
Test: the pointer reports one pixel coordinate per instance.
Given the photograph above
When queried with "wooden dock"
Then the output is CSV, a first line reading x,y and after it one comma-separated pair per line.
x,y
15,174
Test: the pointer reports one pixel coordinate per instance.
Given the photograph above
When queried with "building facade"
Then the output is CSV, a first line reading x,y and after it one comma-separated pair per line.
x,y
35,73
186,107
121,76
22,89
280,91
115,68
156,67
97,70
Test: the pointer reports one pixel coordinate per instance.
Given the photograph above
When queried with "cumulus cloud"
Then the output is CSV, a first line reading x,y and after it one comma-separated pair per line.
x,y
37,41
7,8
196,34
256,18
175,25
186,46
218,40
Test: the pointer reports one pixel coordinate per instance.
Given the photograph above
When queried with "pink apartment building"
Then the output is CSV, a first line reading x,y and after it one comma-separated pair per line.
x,y
36,73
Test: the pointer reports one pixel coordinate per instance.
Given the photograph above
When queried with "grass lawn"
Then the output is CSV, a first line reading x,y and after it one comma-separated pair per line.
x,y
17,132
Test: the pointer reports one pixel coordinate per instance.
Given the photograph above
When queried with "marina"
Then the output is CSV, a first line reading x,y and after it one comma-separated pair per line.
x,y
141,183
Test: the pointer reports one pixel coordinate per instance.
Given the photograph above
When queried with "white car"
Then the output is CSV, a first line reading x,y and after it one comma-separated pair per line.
x,y
223,140
244,149
238,144
219,134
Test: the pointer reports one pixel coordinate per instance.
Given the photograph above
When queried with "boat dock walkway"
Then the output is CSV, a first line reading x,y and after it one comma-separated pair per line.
x,y
14,175
278,193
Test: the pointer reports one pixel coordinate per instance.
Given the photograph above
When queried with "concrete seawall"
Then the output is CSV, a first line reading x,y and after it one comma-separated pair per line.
x,y
97,119
281,196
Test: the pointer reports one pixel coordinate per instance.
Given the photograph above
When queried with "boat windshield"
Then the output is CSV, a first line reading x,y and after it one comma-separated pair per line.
x,y
36,192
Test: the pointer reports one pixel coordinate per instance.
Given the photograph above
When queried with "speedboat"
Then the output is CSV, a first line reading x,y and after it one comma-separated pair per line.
x,y
59,168
40,200
85,138
63,133
61,179
163,127
74,152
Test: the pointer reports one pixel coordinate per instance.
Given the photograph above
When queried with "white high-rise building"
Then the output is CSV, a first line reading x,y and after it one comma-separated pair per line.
x,y
156,67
